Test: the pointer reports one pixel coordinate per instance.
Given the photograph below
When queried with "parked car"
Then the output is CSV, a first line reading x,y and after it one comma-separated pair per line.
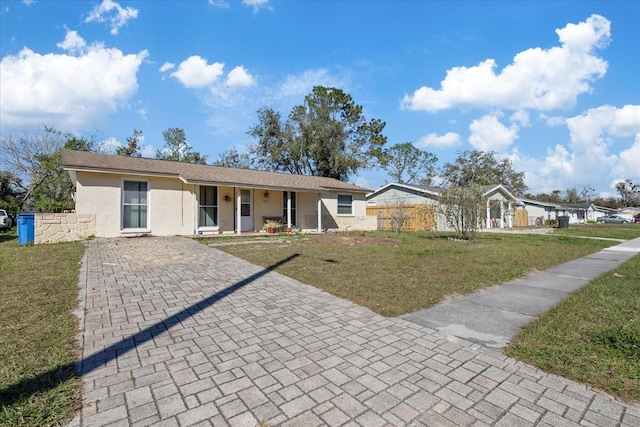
x,y
6,222
636,218
613,219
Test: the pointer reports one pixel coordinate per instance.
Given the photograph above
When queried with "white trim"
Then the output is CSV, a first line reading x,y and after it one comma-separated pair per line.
x,y
124,230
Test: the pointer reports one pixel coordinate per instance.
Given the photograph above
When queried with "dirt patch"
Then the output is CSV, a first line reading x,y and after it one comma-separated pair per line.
x,y
354,240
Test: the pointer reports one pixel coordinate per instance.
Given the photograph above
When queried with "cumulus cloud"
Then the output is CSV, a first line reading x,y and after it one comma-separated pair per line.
x,y
111,12
239,77
488,134
72,43
74,90
591,156
449,139
542,79
194,72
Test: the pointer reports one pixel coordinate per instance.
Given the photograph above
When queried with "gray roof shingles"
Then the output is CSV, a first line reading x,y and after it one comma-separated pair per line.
x,y
202,174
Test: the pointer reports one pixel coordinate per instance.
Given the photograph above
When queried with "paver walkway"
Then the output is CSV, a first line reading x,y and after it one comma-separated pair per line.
x,y
179,334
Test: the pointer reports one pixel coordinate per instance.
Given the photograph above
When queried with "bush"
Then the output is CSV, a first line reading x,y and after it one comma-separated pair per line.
x,y
551,222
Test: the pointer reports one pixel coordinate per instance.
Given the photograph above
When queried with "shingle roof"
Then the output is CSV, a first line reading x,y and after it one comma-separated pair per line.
x,y
202,174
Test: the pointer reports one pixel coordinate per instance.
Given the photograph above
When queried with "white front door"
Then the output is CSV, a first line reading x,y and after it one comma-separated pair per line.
x,y
246,210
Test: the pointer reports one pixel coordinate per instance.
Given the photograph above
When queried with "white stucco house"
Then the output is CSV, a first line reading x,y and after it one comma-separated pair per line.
x,y
578,213
500,203
130,195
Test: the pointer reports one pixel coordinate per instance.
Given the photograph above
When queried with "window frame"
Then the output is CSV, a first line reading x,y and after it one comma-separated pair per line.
x,y
123,206
215,206
343,204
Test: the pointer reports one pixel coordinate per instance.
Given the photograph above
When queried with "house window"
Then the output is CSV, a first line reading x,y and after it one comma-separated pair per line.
x,y
292,196
135,204
345,204
208,206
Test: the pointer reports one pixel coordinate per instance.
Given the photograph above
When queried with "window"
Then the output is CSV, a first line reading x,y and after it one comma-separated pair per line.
x,y
345,204
292,195
208,206
245,202
135,204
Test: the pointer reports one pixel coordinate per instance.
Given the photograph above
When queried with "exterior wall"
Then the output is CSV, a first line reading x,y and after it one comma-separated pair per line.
x,y
63,227
357,220
394,196
172,204
173,207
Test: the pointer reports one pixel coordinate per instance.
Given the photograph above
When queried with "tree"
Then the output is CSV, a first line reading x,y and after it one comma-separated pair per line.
x,y
134,145
232,159
9,195
462,208
177,148
629,193
326,136
407,164
35,165
479,167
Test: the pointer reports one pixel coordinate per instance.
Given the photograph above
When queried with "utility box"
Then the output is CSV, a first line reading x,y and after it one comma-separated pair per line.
x,y
26,228
563,221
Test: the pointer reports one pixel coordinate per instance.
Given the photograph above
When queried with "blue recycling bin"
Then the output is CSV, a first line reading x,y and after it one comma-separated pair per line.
x,y
26,228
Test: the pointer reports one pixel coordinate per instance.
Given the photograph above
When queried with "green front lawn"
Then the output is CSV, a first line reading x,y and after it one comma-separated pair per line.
x,y
38,292
593,336
394,274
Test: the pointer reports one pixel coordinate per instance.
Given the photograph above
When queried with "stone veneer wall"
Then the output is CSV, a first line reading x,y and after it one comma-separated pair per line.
x,y
361,223
63,227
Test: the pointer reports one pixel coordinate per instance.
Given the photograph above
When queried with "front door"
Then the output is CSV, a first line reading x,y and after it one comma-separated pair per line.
x,y
246,210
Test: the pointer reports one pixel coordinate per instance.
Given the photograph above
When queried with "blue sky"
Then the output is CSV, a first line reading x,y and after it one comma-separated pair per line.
x,y
552,85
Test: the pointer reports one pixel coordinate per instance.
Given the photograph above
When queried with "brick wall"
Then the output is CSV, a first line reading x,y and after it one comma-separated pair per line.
x,y
63,227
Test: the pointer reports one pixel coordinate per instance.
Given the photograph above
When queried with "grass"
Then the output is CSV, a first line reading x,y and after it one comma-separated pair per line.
x,y
394,274
613,231
593,336
38,291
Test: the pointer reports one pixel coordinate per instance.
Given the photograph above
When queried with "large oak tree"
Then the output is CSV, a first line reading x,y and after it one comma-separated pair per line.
x,y
326,136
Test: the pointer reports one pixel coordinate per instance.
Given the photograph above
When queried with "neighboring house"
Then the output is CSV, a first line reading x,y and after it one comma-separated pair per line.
x,y
538,212
131,195
500,204
578,213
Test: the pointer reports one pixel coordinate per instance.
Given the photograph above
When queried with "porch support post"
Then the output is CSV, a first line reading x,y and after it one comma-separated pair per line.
x,y
501,214
319,213
488,215
238,211
510,215
288,210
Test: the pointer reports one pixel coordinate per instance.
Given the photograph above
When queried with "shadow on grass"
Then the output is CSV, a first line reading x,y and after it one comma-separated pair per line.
x,y
5,237
22,390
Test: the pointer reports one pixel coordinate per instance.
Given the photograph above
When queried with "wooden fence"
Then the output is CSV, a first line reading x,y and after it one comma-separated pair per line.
x,y
419,217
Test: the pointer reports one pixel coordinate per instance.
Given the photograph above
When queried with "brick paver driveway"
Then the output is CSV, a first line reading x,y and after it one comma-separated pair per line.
x,y
177,333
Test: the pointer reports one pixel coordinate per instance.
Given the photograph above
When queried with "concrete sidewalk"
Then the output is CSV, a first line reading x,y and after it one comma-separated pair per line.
x,y
493,316
176,333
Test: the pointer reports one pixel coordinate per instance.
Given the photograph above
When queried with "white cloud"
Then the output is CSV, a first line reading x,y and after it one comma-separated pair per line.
x,y
166,67
239,77
521,117
592,156
112,12
450,139
553,121
488,134
194,72
222,4
256,4
543,79
628,166
68,91
296,87
72,43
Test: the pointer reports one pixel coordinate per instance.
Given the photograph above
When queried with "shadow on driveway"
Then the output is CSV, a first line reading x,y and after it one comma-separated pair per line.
x,y
52,378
